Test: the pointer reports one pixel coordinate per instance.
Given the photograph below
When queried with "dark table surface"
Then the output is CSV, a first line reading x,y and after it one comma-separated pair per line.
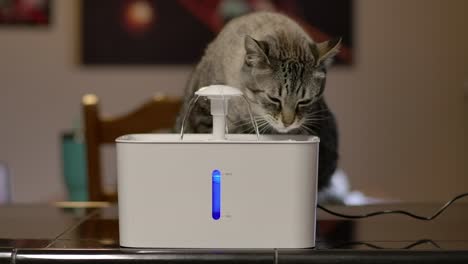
x,y
51,234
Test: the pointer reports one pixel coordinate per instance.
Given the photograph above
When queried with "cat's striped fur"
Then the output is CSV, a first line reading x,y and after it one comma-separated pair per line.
x,y
282,72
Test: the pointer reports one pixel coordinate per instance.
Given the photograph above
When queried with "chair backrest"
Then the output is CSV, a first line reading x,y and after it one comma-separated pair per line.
x,y
159,113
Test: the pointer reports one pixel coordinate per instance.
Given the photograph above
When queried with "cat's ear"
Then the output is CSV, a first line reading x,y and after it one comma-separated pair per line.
x,y
326,50
255,53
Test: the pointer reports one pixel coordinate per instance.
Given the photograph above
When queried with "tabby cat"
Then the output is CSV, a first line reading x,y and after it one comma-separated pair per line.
x,y
281,71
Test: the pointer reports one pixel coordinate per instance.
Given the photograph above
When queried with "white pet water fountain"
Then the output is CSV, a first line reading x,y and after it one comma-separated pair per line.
x,y
217,190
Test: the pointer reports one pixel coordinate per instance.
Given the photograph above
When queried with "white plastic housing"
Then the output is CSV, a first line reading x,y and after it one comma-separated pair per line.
x,y
219,108
219,96
268,191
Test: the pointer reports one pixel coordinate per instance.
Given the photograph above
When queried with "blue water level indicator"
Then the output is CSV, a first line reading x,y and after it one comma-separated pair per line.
x,y
216,194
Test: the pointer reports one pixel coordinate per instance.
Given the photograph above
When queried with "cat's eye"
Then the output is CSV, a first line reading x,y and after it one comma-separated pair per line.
x,y
304,102
274,100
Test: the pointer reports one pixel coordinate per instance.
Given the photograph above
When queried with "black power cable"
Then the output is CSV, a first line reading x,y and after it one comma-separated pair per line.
x,y
374,246
395,211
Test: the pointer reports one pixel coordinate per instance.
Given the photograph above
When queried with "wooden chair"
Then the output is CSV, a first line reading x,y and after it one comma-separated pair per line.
x,y
159,113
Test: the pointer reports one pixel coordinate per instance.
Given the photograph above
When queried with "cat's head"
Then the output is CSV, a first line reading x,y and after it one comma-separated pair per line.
x,y
283,79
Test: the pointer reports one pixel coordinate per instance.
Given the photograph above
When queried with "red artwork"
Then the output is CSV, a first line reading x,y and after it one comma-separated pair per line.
x,y
25,12
177,31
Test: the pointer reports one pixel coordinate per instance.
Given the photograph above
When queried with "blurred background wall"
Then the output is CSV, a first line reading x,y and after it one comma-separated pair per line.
x,y
401,107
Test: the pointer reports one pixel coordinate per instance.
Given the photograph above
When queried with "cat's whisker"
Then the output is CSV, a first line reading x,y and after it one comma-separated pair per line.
x,y
316,125
265,129
312,120
315,115
243,126
246,130
313,125
270,129
302,131
244,123
261,121
263,126
250,128
320,111
248,123
316,119
248,119
308,129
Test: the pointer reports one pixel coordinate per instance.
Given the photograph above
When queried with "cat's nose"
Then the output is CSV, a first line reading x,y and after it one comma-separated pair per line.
x,y
288,118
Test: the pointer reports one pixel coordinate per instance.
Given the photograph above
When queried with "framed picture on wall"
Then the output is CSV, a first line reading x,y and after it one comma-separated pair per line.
x,y
25,12
119,32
